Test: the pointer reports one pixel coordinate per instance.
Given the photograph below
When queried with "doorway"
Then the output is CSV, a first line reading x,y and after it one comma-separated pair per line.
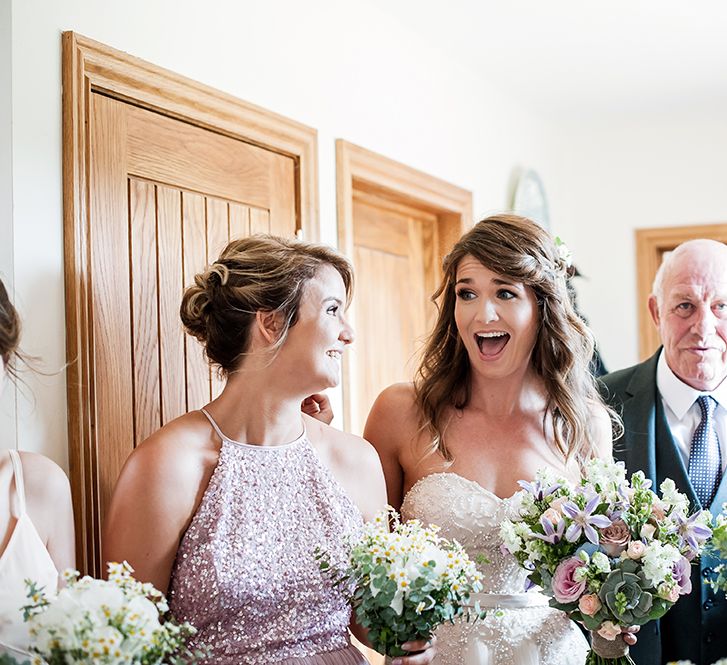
x,y
396,224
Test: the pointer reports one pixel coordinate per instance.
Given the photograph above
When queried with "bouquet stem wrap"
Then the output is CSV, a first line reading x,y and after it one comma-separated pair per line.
x,y
608,652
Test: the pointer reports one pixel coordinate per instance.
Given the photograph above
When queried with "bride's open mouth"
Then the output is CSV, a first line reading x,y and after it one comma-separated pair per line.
x,y
491,344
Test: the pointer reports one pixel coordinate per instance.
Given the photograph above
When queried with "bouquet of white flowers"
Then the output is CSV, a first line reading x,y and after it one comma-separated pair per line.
x,y
112,622
609,552
405,582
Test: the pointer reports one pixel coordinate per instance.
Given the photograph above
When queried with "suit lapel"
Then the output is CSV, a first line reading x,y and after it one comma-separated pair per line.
x,y
639,419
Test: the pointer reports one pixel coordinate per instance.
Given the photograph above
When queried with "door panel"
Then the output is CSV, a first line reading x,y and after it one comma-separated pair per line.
x,y
395,249
171,338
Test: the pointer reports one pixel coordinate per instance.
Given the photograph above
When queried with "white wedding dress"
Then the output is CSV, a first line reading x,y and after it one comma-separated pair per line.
x,y
520,628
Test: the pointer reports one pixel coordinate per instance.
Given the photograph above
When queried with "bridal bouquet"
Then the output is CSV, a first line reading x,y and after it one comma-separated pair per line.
x,y
108,622
609,552
406,582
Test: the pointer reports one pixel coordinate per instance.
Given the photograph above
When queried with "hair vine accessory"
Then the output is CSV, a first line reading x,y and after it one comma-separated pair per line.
x,y
564,255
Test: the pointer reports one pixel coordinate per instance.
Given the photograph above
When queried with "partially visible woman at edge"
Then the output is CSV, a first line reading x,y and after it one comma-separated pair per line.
x,y
502,391
224,507
36,515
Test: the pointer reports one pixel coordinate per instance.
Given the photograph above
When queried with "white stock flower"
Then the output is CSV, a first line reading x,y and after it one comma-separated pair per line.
x,y
522,504
606,472
509,537
601,562
672,496
658,561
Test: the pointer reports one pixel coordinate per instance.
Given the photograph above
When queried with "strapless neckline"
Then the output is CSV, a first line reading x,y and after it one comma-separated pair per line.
x,y
521,629
463,480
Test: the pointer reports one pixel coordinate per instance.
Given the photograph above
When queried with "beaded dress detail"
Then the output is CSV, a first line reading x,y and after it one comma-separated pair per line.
x,y
245,574
520,628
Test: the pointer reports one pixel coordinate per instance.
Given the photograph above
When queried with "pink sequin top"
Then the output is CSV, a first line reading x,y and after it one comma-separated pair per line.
x,y
245,574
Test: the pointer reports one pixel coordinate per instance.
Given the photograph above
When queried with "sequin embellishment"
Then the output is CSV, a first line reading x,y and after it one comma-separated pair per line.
x,y
245,573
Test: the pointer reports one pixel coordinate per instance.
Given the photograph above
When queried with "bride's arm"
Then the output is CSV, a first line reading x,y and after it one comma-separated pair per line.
x,y
390,425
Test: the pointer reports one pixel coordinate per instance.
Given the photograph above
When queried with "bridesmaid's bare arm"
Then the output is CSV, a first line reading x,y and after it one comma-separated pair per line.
x,y
48,499
155,499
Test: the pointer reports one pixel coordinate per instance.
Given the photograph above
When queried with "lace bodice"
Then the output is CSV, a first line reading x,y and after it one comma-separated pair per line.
x,y
519,629
470,514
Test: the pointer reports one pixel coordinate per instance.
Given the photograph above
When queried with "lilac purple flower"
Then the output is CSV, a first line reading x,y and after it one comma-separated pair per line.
x,y
537,489
584,520
682,571
690,531
552,535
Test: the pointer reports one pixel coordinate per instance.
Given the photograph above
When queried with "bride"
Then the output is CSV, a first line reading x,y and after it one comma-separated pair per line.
x,y
503,390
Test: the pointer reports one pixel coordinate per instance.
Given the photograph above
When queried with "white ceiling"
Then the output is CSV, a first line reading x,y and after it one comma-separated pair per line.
x,y
585,57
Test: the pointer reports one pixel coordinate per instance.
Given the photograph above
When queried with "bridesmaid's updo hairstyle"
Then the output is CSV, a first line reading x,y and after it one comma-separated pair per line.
x,y
520,249
259,273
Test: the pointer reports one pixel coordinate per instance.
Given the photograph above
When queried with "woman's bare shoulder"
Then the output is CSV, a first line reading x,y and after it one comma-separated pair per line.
x,y
173,463
354,463
344,447
186,437
43,478
395,409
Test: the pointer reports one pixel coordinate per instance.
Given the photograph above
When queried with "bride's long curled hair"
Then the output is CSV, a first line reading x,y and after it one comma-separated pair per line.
x,y
518,248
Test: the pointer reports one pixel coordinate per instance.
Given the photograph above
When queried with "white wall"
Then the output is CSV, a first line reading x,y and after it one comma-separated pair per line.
x,y
341,67
8,432
616,175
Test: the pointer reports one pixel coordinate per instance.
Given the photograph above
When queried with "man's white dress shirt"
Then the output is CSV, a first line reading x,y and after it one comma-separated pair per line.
x,y
683,413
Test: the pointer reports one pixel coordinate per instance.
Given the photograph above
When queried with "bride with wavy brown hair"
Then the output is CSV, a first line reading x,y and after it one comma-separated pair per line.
x,y
503,391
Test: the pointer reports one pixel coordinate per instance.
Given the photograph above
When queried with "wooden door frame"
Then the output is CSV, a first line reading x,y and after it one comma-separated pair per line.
x,y
650,246
91,67
359,168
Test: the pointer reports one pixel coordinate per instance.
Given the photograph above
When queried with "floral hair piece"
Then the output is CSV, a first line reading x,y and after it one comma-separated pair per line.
x,y
565,256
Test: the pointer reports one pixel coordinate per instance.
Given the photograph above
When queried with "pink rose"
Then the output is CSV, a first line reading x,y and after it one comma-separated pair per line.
x,y
670,593
558,503
609,630
553,516
658,510
565,587
589,604
615,538
635,550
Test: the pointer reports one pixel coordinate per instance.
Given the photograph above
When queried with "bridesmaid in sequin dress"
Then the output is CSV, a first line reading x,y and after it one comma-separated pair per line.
x,y
224,507
503,390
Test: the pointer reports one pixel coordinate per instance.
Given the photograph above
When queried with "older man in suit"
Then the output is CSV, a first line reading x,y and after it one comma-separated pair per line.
x,y
674,409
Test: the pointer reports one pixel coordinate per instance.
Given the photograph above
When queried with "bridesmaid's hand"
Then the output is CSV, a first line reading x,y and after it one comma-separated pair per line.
x,y
319,407
424,653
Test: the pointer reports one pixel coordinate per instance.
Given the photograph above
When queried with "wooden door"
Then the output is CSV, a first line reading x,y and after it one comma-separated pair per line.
x,y
396,224
396,255
652,245
165,195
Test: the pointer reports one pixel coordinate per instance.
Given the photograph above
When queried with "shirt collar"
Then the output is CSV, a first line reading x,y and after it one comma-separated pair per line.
x,y
678,396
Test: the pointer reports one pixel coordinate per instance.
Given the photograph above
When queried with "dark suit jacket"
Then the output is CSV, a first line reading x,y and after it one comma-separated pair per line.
x,y
696,627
